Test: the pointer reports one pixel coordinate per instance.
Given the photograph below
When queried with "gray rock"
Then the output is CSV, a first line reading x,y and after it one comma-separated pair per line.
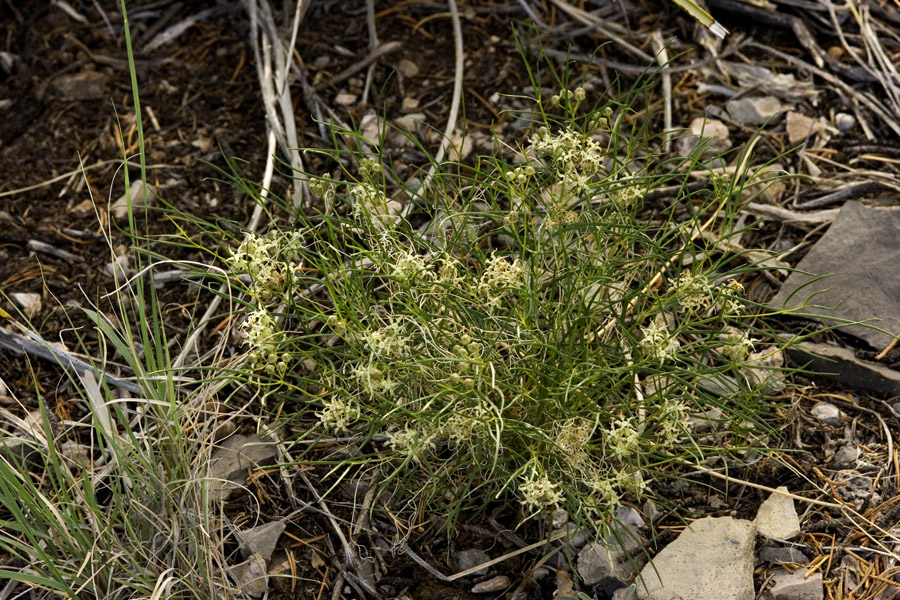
x,y
846,456
842,365
231,463
796,586
777,518
755,110
251,576
712,559
261,540
576,537
496,584
610,557
629,517
559,517
860,251
827,413
783,556
469,559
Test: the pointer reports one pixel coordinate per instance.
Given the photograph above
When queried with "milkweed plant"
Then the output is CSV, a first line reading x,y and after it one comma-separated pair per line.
x,y
528,328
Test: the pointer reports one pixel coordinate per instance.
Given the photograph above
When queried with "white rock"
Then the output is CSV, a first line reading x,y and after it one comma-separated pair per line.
x,y
844,121
29,302
712,559
827,413
409,104
796,586
345,99
777,518
141,196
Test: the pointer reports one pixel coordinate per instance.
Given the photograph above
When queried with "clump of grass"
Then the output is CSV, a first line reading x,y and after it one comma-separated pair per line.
x,y
529,329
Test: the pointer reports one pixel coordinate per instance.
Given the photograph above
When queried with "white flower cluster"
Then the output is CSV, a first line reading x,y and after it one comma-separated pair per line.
x,y
268,259
263,337
538,492
500,279
693,292
372,380
338,414
730,298
572,438
388,341
622,438
571,151
410,442
673,424
658,342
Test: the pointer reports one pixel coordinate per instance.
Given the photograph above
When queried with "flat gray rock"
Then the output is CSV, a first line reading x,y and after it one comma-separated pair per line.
x,y
842,365
860,252
712,559
231,463
796,586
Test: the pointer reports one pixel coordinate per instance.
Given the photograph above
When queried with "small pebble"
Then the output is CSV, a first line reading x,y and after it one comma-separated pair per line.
x,y
345,99
846,456
827,413
844,121
469,559
29,302
407,68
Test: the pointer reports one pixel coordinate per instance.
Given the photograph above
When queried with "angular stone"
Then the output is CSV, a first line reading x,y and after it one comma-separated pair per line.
x,y
471,558
497,584
261,540
608,558
777,518
29,302
796,586
712,559
755,110
799,127
860,252
231,463
251,576
783,556
842,365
